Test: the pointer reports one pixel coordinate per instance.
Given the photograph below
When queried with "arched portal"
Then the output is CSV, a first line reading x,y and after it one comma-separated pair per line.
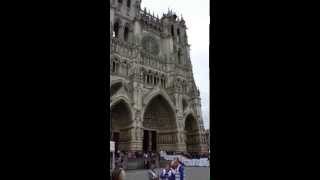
x,y
160,126
121,118
192,134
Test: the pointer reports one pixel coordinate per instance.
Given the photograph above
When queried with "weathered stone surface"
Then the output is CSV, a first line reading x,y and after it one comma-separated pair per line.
x,y
152,82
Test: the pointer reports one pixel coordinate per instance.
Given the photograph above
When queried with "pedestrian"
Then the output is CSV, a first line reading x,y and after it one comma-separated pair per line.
x,y
145,156
164,173
173,166
149,160
167,173
118,173
153,175
118,153
179,169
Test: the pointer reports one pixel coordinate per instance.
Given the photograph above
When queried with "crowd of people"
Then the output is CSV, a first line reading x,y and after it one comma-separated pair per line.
x,y
150,158
172,171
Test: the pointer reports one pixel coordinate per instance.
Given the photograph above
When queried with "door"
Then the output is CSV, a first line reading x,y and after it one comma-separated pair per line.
x,y
145,140
154,141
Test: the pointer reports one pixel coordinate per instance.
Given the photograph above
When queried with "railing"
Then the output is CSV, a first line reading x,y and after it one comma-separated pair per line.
x,y
153,61
126,49
149,16
201,162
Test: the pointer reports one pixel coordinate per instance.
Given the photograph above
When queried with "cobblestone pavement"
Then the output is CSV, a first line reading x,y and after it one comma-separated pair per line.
x,y
191,173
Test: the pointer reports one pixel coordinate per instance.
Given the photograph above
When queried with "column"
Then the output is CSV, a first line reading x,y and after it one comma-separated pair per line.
x,y
134,139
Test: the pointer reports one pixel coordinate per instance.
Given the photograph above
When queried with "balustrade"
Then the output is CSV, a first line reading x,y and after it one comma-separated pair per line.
x,y
131,51
125,49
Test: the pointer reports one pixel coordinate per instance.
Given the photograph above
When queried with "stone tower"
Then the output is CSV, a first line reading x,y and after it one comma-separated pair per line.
x,y
154,102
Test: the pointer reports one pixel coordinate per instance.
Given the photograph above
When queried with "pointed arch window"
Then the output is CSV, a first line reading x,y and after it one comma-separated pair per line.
x,y
113,67
116,30
178,34
179,56
172,30
148,79
128,3
126,33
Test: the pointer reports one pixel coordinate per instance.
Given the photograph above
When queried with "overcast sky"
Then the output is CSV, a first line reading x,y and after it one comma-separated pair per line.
x,y
197,17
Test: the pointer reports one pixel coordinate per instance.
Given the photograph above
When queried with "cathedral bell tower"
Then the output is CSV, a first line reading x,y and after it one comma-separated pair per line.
x,y
175,29
129,8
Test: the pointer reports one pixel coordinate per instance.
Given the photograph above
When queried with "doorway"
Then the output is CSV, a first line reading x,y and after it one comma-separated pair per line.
x,y
154,141
145,140
115,138
149,141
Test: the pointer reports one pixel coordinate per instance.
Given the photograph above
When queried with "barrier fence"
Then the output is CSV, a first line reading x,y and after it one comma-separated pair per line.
x,y
202,162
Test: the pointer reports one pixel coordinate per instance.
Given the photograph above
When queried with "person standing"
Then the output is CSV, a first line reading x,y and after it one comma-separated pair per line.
x,y
167,173
179,170
145,156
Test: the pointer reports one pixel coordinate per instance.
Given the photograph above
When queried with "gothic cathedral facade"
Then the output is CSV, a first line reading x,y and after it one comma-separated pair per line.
x,y
154,102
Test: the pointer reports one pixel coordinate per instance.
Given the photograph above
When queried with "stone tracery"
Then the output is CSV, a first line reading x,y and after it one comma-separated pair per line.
x,y
149,54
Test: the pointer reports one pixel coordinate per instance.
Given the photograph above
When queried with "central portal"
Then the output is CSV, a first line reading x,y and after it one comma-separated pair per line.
x,y
149,141
159,124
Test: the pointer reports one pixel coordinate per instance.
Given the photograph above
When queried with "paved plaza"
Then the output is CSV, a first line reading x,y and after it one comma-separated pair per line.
x,y
192,173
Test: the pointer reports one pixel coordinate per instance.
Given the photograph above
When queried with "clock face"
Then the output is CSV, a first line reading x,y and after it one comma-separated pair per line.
x,y
150,45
